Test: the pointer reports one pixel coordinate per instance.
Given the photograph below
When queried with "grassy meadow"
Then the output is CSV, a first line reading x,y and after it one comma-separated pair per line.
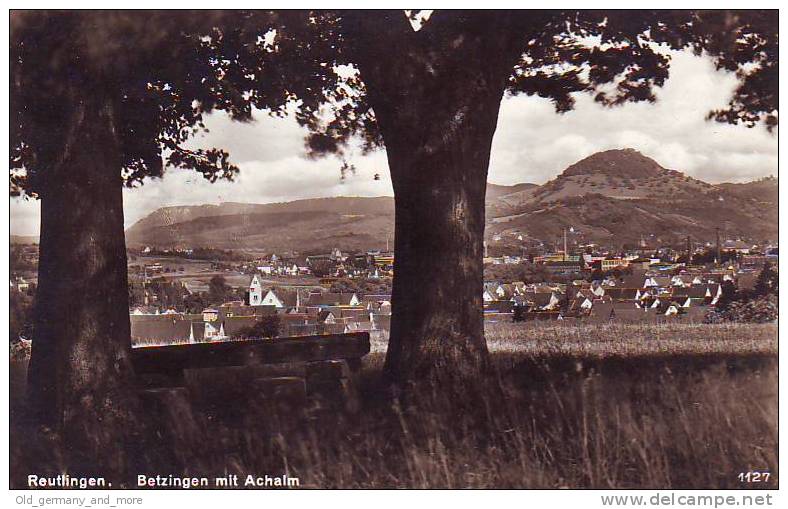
x,y
614,406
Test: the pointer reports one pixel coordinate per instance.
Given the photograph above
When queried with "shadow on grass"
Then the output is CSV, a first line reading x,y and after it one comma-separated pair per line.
x,y
553,421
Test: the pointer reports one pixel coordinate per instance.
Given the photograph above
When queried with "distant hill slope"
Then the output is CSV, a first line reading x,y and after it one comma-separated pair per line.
x,y
761,191
614,196
621,196
496,190
304,225
351,223
24,239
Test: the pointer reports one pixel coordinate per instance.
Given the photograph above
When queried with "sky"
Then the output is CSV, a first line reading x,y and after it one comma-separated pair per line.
x,y
532,144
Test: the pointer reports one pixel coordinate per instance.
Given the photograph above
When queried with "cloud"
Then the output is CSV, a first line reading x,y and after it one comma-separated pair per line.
x,y
532,144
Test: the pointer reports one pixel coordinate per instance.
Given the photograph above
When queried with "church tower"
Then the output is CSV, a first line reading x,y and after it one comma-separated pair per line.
x,y
255,291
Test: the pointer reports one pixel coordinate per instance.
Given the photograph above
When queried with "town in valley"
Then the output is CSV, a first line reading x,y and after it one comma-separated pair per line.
x,y
613,238
194,295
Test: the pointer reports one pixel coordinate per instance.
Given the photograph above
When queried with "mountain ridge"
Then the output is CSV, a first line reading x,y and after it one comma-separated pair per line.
x,y
616,195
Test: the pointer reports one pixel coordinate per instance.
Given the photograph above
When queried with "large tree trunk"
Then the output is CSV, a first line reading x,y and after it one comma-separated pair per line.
x,y
80,375
437,331
436,96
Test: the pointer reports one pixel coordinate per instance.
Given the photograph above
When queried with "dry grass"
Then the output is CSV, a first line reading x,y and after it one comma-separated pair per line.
x,y
607,407
613,340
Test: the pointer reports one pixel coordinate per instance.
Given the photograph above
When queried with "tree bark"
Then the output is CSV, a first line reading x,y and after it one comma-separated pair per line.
x,y
437,329
80,374
436,96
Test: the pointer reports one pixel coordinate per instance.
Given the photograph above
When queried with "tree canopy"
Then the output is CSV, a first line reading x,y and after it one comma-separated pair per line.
x,y
163,71
155,70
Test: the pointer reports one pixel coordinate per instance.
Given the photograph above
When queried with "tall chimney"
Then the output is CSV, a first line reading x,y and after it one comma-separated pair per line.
x,y
719,248
565,253
689,250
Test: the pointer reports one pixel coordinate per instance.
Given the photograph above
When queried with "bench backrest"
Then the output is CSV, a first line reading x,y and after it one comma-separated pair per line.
x,y
176,358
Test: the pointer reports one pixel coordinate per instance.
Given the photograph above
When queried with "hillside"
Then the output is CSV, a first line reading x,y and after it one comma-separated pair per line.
x,y
351,223
497,191
616,196
306,225
759,191
621,196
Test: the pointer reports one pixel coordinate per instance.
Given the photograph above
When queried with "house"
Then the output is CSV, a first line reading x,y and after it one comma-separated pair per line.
x,y
713,292
564,267
364,326
597,289
542,301
280,298
622,293
737,246
210,315
333,299
377,303
640,262
358,314
164,329
297,324
634,280
145,310
489,292
613,263
239,309
601,312
579,306
256,292
499,306
235,324
212,331
505,291
326,317
671,309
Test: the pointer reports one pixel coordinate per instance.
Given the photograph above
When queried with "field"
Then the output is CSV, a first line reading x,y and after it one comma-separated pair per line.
x,y
672,406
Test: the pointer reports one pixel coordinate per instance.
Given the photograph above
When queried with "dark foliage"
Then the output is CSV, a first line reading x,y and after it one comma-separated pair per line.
x,y
759,305
195,303
21,260
267,326
322,268
157,72
218,289
20,314
525,272
767,283
362,286
710,256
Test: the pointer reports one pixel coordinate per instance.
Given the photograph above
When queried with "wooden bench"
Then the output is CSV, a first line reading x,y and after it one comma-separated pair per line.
x,y
293,368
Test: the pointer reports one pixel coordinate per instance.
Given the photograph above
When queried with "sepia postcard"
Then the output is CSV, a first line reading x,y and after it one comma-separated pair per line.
x,y
311,249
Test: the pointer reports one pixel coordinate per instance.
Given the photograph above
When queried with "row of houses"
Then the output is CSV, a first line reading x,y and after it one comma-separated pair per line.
x,y
372,264
639,296
299,312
